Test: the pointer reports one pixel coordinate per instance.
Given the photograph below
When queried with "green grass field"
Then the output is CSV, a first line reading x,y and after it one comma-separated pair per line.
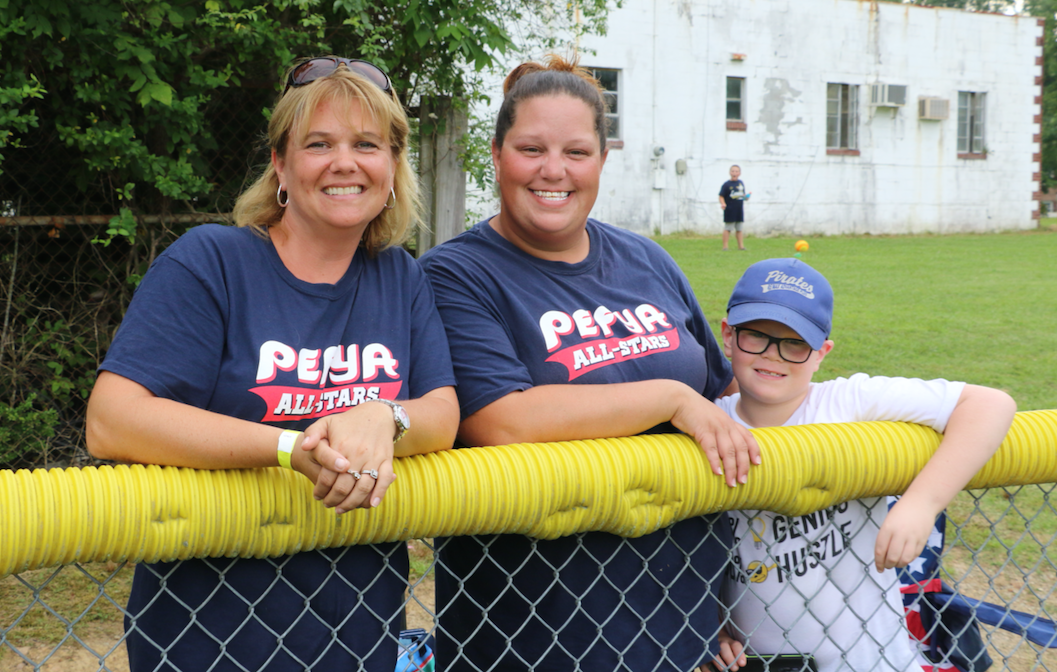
x,y
978,308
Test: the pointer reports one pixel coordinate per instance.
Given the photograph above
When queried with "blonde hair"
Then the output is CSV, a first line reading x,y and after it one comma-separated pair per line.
x,y
258,208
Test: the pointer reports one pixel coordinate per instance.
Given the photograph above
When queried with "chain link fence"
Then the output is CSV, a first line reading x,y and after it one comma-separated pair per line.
x,y
61,300
997,551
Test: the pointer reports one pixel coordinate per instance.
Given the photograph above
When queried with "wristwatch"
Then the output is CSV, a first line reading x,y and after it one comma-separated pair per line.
x,y
400,417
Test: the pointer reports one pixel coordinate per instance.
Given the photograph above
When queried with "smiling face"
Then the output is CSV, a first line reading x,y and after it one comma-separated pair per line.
x,y
771,388
338,175
548,171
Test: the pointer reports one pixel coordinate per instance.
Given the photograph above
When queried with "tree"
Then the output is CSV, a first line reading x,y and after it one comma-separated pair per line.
x,y
154,106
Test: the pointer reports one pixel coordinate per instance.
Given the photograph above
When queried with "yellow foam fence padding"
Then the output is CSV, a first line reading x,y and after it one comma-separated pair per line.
x,y
630,487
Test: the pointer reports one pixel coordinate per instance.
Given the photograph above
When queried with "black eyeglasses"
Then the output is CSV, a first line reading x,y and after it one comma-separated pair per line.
x,y
314,68
792,350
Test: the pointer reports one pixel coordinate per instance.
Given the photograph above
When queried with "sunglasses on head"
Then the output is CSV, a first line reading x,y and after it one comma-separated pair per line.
x,y
314,68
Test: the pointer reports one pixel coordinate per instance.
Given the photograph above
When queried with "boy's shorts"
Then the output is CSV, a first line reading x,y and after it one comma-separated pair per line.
x,y
732,226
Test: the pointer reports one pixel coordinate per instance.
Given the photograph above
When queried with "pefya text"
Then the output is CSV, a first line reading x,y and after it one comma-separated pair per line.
x,y
597,340
322,381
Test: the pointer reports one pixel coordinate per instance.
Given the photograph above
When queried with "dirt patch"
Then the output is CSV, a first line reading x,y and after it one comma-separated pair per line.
x,y
88,655
1006,585
421,598
91,653
422,606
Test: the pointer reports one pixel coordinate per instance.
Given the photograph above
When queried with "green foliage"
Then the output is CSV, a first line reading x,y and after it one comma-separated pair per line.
x,y
476,152
142,92
24,429
12,120
61,301
70,359
123,225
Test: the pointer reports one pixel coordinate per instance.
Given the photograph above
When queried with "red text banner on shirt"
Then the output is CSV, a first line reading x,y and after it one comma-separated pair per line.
x,y
584,357
289,403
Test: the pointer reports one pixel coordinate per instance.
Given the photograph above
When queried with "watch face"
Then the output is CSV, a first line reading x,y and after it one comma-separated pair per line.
x,y
402,418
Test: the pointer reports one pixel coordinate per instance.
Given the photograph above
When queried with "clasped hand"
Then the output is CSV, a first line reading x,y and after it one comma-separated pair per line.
x,y
358,440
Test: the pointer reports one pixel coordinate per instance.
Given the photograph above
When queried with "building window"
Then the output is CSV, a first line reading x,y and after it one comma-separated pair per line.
x,y
971,123
736,104
610,81
842,118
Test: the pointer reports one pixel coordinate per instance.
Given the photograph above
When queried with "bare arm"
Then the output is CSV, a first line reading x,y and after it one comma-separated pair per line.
x,y
722,203
621,409
128,423
434,422
976,428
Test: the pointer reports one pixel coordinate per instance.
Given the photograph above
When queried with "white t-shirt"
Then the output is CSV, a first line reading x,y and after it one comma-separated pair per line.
x,y
807,584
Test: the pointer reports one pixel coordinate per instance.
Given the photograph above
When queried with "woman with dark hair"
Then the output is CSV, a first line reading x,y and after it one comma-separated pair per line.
x,y
263,345
566,328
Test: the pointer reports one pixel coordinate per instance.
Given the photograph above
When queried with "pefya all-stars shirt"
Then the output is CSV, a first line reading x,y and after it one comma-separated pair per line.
x,y
589,601
625,313
219,323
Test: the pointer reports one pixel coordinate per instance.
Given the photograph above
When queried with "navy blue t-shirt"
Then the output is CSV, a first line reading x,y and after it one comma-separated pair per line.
x,y
221,324
733,192
626,313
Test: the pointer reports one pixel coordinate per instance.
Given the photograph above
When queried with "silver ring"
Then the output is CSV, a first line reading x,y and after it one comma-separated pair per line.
x,y
355,474
373,473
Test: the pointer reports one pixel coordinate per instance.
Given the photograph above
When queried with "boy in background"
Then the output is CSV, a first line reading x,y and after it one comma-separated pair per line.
x,y
803,585
732,197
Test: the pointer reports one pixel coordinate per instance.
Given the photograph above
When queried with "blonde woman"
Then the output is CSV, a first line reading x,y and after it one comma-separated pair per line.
x,y
305,338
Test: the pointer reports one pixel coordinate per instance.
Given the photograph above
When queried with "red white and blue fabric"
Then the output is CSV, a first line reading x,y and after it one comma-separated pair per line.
x,y
919,577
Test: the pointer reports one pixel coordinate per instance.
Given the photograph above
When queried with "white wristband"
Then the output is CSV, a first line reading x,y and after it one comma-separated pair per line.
x,y
287,441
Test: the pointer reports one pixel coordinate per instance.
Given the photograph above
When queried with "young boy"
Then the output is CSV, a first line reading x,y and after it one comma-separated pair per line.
x,y
732,199
803,585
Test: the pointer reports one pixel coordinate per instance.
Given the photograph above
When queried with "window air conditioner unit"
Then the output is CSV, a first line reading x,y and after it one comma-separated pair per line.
x,y
933,108
888,95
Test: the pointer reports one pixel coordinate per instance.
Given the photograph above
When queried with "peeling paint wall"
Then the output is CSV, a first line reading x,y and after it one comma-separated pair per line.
x,y
675,56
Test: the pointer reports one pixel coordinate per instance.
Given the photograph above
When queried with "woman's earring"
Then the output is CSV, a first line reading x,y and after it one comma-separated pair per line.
x,y
392,192
279,197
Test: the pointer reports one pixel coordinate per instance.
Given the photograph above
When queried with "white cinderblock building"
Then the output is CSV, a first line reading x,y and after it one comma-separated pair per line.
x,y
819,101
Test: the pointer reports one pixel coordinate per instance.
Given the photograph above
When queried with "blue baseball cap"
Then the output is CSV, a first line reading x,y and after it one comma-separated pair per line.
x,y
787,291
